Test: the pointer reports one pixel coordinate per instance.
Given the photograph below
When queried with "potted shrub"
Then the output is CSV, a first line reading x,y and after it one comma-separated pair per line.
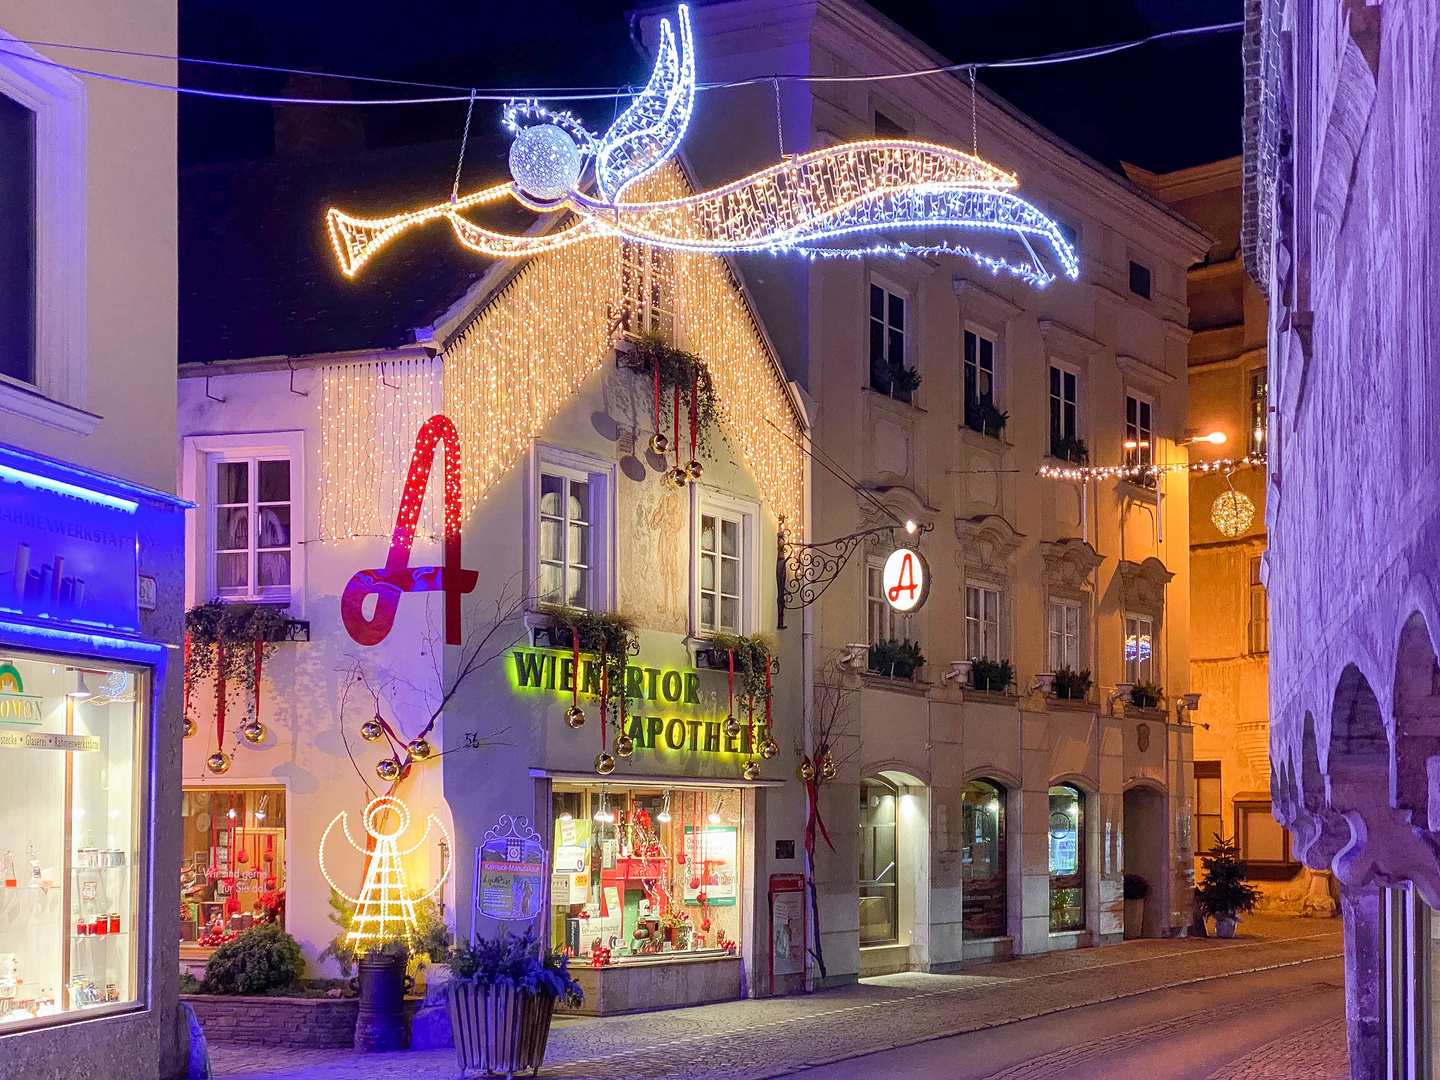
x,y
903,382
1136,889
256,961
991,676
502,995
1069,449
1071,685
984,417
898,659
1225,893
1146,695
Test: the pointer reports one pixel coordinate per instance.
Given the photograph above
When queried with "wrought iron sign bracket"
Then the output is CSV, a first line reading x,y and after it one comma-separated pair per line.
x,y
804,571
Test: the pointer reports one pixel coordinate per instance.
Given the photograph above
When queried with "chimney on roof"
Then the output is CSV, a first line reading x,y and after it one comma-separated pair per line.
x,y
311,132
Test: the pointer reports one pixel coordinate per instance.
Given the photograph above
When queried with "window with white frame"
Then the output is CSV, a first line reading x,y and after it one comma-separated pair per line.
x,y
568,525
1139,649
889,373
1064,413
1064,635
251,543
648,288
982,622
17,240
722,543
1259,409
1140,436
1259,627
879,616
980,382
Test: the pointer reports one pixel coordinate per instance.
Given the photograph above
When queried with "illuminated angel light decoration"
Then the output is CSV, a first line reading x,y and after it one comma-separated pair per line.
x,y
384,910
808,203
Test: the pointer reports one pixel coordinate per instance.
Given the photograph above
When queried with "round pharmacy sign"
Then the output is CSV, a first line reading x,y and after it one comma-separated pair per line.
x,y
906,579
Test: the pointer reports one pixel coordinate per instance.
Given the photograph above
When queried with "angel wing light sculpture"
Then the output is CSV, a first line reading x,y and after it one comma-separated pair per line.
x,y
810,203
385,908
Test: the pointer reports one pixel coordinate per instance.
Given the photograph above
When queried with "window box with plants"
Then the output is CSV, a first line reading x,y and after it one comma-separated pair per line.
x,y
991,676
894,380
599,631
1070,685
896,659
1146,695
1069,449
984,417
502,995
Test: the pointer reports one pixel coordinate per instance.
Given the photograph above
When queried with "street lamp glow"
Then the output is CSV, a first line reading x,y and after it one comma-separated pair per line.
x,y
910,526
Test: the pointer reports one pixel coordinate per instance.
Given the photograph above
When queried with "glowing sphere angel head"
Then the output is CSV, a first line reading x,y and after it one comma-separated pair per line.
x,y
545,162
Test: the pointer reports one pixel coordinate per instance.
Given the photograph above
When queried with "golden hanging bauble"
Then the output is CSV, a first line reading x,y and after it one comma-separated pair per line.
x,y
732,726
827,767
659,444
604,764
218,762
575,716
679,477
695,469
388,769
420,749
253,732
752,770
371,730
1232,513
805,771
188,726
769,748
624,746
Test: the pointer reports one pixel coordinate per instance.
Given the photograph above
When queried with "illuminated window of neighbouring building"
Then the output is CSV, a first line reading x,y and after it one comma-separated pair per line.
x,y
1209,821
1067,858
982,863
1139,649
1259,410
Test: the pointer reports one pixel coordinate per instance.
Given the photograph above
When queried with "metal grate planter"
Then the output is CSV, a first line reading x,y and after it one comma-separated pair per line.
x,y
498,1030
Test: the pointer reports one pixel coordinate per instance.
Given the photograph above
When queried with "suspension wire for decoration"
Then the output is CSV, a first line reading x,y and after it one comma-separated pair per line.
x,y
779,118
974,126
549,93
464,138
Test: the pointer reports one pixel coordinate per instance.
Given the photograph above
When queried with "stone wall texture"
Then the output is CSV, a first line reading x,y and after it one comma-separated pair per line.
x,y
1354,486
307,1022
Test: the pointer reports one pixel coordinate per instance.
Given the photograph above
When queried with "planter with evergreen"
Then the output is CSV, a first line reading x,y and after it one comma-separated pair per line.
x,y
1146,695
898,659
984,417
1071,685
991,676
1225,894
1069,449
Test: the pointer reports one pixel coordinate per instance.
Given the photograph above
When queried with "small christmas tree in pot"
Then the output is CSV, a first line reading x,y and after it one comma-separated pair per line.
x,y
1224,893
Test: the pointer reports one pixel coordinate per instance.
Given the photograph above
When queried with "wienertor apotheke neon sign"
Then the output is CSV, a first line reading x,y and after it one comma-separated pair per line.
x,y
539,670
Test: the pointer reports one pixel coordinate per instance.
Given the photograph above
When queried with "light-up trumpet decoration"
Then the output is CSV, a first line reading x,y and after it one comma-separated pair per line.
x,y
804,203
384,910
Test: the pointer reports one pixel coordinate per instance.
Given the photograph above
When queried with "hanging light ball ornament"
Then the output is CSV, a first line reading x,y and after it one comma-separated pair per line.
x,y
604,764
624,746
420,749
388,769
545,161
659,444
253,732
679,477
188,726
218,762
371,730
695,470
752,770
805,771
574,716
769,748
1232,513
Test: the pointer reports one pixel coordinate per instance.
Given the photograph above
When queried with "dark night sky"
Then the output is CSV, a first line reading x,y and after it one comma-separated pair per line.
x,y
1159,106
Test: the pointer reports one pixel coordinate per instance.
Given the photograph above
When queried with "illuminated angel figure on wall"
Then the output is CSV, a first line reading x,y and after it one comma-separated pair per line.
x,y
813,203
384,910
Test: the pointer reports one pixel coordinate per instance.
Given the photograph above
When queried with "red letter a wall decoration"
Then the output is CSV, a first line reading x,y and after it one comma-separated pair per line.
x,y
398,575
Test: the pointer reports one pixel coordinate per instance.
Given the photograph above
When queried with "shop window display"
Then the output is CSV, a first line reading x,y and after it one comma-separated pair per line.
x,y
879,864
646,872
71,768
1067,858
233,871
983,862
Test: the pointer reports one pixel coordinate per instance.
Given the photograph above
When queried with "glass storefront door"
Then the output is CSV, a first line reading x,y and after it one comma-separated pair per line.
x,y
72,753
1067,858
983,860
879,864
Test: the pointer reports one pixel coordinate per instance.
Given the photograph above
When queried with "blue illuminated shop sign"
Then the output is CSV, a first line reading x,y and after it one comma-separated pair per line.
x,y
67,552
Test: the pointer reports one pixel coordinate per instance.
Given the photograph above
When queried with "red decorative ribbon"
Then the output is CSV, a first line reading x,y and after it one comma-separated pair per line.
x,y
220,697
604,692
259,670
750,707
398,576
769,723
694,393
620,727
575,681
676,411
730,681
657,397
187,674
812,816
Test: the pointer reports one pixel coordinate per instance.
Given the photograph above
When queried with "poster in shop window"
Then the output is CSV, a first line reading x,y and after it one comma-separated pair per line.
x,y
711,866
510,872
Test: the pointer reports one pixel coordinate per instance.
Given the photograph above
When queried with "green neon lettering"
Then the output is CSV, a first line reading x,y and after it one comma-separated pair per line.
x,y
550,675
637,730
634,683
712,736
671,686
651,674
654,725
695,726
675,734
529,668
692,688
730,744
590,682
567,674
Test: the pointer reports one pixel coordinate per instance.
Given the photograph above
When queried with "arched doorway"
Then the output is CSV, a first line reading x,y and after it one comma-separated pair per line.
x,y
1144,843
983,867
879,862
1067,858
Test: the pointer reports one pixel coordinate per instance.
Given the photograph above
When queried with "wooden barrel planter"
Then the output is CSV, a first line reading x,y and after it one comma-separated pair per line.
x,y
498,1030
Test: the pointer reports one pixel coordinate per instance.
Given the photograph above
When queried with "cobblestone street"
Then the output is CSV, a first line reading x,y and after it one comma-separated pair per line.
x,y
750,1040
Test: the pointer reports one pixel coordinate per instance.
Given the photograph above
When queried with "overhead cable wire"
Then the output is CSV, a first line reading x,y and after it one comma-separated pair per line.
x,y
548,93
